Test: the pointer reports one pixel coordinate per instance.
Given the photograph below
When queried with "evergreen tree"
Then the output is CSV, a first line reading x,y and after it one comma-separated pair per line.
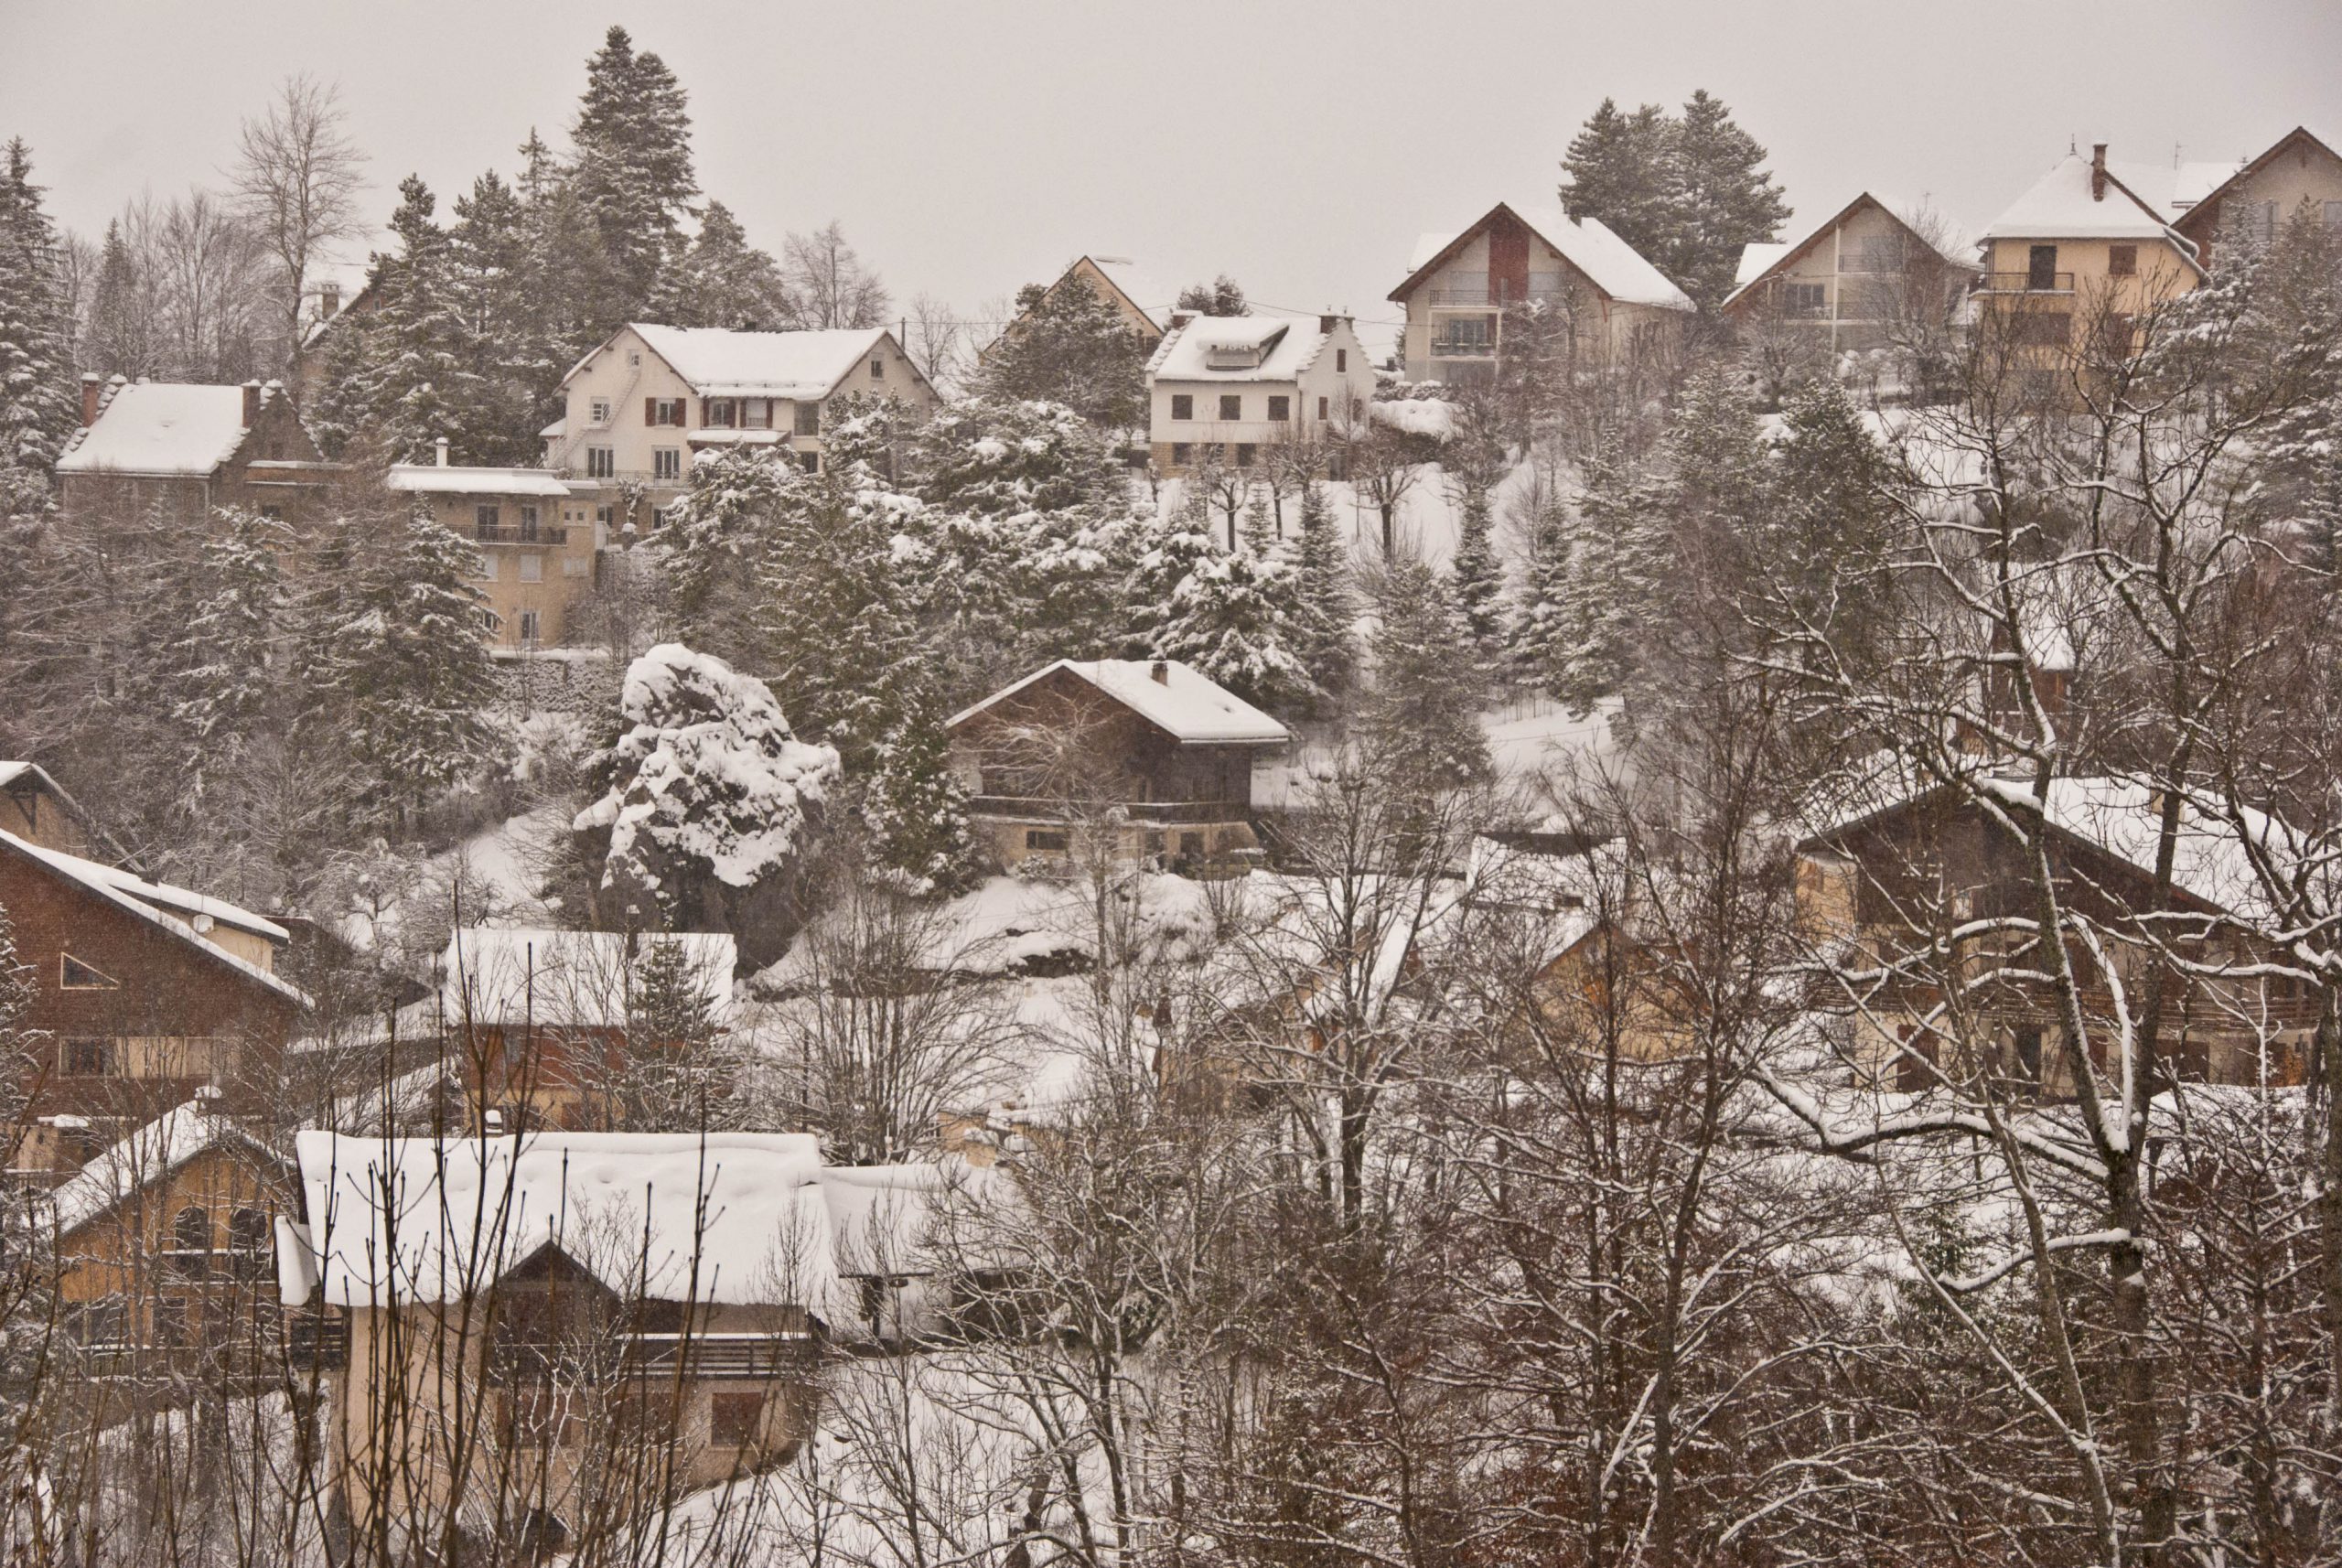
x,y
1234,617
576,289
1479,579
721,280
1828,502
633,168
667,1005
410,375
717,541
1621,168
1729,199
917,811
837,626
1327,610
1068,345
1222,296
411,672
1422,720
223,663
119,338
487,253
998,456
37,410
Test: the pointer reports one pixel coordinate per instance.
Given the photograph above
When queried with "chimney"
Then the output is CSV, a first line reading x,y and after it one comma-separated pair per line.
x,y
1326,321
328,301
439,452
1161,672
91,386
2098,171
1180,318
252,404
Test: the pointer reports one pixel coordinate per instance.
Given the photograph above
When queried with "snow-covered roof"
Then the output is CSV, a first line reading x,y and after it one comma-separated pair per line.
x,y
177,910
2060,206
716,435
1429,416
555,431
1184,704
1757,258
508,976
2192,184
1611,264
719,363
725,1218
431,479
14,775
1237,348
162,428
145,1158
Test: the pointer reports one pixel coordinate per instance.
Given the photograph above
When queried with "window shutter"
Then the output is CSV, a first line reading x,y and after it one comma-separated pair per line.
x,y
651,411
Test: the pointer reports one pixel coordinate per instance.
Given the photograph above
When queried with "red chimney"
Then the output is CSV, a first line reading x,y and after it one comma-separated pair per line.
x,y
252,404
2098,171
91,387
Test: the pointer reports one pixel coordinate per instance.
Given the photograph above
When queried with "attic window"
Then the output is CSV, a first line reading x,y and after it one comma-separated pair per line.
x,y
72,974
877,370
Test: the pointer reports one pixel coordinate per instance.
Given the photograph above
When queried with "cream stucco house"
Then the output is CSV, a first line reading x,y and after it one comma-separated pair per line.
x,y
1459,281
1229,386
641,406
536,540
2300,175
1851,278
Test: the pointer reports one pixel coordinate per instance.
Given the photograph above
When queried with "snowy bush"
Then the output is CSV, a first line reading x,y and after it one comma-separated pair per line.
x,y
707,805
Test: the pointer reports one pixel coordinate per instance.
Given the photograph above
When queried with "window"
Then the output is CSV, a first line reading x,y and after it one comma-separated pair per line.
x,y
273,513
756,414
808,419
1341,361
1804,301
2116,333
2028,1056
662,411
528,628
810,461
601,463
733,1419
606,516
248,1240
191,1242
2333,215
87,1058
1232,405
2123,261
1878,253
575,565
72,974
533,568
1183,406
1180,452
1280,408
527,523
600,414
1045,839
1243,453
1191,846
666,462
877,370
720,412
487,567
171,1325
2042,328
486,515
2041,268
1321,408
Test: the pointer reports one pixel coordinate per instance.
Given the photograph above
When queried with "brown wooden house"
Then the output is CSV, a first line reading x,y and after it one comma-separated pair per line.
x,y
146,994
1135,759
184,450
35,807
1908,891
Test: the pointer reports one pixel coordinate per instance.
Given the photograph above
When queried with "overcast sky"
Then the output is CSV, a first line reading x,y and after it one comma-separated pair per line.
x,y
970,147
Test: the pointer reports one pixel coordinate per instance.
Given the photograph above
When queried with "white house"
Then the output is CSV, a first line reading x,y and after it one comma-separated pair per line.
x,y
639,407
1231,385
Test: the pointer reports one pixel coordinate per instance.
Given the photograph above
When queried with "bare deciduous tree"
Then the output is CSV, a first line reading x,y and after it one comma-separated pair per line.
x,y
296,182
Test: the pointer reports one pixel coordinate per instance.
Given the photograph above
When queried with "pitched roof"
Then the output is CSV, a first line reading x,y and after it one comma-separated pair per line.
x,y
1279,347
1144,294
165,429
569,979
16,774
1760,260
176,910
148,1155
1188,706
1607,262
2194,189
2060,206
719,363
431,479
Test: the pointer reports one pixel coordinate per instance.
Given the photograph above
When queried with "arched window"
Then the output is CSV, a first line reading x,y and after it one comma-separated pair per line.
x,y
191,1242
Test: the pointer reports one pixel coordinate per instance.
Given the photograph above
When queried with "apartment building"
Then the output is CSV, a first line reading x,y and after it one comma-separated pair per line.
x,y
1227,387
637,409
536,540
1459,282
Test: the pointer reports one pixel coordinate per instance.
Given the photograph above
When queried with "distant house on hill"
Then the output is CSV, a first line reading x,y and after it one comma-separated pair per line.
x,y
536,540
1144,304
639,408
145,995
1459,282
1225,388
1133,758
1852,280
2299,175
186,449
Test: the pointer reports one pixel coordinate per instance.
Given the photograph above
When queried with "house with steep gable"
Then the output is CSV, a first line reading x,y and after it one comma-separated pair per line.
x,y
1225,388
1873,268
184,450
1132,758
35,807
2299,176
1144,304
1459,284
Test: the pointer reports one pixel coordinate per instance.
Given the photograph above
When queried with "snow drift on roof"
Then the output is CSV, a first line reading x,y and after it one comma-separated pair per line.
x,y
721,364
1184,704
1757,258
430,478
145,1158
164,428
2059,205
499,976
1611,264
1286,348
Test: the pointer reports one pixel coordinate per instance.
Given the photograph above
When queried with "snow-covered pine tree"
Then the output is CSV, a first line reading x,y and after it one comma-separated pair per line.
x,y
916,810
224,664
1421,717
118,340
1828,504
716,540
1479,579
410,376
411,667
1001,456
1728,199
1068,345
37,411
1234,617
511,364
1324,637
1609,592
1621,168
1222,296
1537,633
721,280
633,167
705,805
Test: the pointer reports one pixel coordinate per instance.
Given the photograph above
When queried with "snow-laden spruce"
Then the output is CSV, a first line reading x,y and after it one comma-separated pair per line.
x,y
708,802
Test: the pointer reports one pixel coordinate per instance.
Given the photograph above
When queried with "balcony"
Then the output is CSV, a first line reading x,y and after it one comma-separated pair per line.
x,y
2028,282
1028,808
1481,295
761,1356
1462,348
521,533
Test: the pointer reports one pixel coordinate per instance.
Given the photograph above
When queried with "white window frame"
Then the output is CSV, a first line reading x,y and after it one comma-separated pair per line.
x,y
667,463
533,568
